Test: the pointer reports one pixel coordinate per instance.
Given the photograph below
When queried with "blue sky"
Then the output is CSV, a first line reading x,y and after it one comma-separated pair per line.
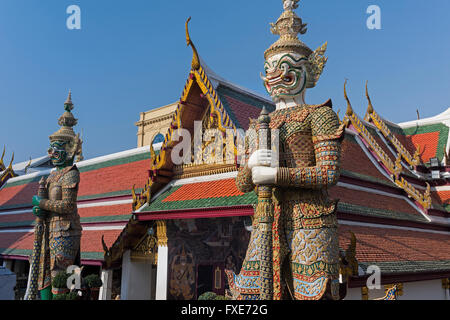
x,y
131,56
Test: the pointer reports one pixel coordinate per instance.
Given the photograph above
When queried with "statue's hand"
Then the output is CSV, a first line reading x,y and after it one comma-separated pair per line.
x,y
38,212
264,175
36,200
261,158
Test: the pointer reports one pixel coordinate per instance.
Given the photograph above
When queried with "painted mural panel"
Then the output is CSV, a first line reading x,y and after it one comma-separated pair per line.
x,y
199,252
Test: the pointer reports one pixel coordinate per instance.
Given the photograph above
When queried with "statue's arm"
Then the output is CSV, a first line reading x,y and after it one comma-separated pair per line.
x,y
244,181
327,133
68,204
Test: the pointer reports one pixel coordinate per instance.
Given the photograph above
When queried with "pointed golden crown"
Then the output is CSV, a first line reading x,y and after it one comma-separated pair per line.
x,y
288,26
65,132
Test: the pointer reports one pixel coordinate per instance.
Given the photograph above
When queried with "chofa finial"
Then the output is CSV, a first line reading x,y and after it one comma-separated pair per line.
x,y
370,107
195,57
349,105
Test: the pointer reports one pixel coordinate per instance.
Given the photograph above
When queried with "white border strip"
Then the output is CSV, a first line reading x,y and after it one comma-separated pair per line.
x,y
221,176
80,206
105,203
85,163
100,228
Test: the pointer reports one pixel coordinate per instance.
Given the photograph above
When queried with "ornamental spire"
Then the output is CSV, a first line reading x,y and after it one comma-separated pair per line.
x,y
69,100
66,134
288,26
195,57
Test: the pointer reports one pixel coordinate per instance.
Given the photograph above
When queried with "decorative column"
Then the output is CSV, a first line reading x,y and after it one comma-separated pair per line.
x,y
163,256
126,276
105,290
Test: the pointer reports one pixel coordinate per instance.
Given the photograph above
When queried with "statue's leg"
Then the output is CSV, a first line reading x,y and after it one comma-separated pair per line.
x,y
46,294
63,252
245,285
315,263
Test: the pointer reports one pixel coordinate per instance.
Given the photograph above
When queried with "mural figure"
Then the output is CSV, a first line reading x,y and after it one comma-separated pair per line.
x,y
304,244
58,228
182,278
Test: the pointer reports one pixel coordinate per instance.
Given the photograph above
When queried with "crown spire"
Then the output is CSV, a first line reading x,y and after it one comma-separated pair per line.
x,y
68,105
65,133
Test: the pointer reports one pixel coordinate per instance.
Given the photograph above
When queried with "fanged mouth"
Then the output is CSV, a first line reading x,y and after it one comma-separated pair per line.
x,y
277,83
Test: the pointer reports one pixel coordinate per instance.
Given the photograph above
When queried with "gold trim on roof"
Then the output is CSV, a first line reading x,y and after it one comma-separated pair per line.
x,y
144,197
372,116
394,169
6,172
195,58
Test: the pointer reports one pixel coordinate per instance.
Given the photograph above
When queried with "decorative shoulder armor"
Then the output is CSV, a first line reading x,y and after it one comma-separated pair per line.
x,y
325,124
71,179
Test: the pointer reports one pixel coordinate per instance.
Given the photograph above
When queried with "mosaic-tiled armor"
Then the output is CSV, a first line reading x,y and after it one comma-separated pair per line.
x,y
58,228
299,259
63,221
305,240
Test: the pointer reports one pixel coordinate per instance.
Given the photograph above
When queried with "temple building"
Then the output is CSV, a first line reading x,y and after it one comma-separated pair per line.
x,y
155,229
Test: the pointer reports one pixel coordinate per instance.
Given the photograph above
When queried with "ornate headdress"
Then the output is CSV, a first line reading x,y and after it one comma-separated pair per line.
x,y
288,26
66,133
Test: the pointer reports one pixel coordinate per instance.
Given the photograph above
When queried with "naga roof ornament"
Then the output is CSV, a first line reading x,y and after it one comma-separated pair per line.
x,y
288,27
195,57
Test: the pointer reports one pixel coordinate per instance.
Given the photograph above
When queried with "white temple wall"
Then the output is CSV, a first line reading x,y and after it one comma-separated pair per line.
x,y
423,290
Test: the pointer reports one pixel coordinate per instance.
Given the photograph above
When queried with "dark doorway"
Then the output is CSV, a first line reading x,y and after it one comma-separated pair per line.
x,y
204,279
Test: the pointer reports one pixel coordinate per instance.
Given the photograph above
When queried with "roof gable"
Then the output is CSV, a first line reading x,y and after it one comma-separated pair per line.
x,y
242,107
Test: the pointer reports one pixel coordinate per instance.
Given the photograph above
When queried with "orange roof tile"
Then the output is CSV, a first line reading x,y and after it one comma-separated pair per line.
x,y
114,178
428,143
16,195
205,190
